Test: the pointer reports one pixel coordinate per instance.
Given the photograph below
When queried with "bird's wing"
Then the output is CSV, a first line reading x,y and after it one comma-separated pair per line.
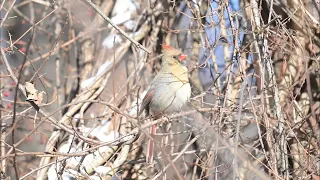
x,y
146,101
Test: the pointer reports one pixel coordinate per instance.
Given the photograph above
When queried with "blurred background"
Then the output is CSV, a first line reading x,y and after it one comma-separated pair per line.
x,y
73,74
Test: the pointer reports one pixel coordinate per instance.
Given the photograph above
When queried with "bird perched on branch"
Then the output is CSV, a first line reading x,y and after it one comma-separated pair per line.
x,y
168,92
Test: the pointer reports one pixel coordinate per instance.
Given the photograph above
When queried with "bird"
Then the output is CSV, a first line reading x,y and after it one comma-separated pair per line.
x,y
169,91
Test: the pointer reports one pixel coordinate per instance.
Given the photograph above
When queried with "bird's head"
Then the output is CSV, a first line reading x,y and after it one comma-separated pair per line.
x,y
172,55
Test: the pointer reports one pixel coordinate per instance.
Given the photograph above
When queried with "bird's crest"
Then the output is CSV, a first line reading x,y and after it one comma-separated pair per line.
x,y
167,47
171,51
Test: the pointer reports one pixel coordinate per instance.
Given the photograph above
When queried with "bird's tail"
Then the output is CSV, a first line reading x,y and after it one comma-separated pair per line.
x,y
150,147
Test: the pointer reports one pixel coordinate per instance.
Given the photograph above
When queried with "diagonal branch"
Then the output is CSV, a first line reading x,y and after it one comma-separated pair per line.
x,y
117,27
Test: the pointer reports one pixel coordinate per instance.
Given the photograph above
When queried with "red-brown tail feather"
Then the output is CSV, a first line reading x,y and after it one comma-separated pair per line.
x,y
150,147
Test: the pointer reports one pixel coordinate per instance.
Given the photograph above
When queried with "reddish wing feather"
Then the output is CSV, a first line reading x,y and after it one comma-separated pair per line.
x,y
146,101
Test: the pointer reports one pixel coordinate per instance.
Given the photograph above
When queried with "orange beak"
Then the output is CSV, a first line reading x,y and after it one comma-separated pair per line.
x,y
182,57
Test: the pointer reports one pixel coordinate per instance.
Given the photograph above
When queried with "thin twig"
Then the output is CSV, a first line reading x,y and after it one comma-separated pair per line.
x,y
53,47
26,32
117,28
284,165
8,11
183,150
15,103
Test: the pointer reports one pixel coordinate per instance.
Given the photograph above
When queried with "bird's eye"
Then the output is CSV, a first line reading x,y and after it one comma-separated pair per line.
x,y
176,57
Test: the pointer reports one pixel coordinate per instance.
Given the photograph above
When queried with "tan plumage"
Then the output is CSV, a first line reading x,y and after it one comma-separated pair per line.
x,y
169,90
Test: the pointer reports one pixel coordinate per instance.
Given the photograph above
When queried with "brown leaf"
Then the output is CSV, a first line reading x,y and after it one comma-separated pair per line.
x,y
33,94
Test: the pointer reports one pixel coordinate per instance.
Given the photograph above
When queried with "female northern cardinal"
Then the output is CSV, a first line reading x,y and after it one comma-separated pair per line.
x,y
169,90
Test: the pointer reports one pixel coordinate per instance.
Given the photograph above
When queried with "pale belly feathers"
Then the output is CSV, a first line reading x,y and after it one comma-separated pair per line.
x,y
170,95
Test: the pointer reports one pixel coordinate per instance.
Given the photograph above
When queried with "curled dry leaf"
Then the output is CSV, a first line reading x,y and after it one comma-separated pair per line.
x,y
33,94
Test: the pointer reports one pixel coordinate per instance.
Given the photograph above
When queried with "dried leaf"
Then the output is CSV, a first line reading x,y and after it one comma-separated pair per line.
x,y
33,94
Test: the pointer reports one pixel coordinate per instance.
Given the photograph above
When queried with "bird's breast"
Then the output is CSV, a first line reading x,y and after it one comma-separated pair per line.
x,y
171,93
